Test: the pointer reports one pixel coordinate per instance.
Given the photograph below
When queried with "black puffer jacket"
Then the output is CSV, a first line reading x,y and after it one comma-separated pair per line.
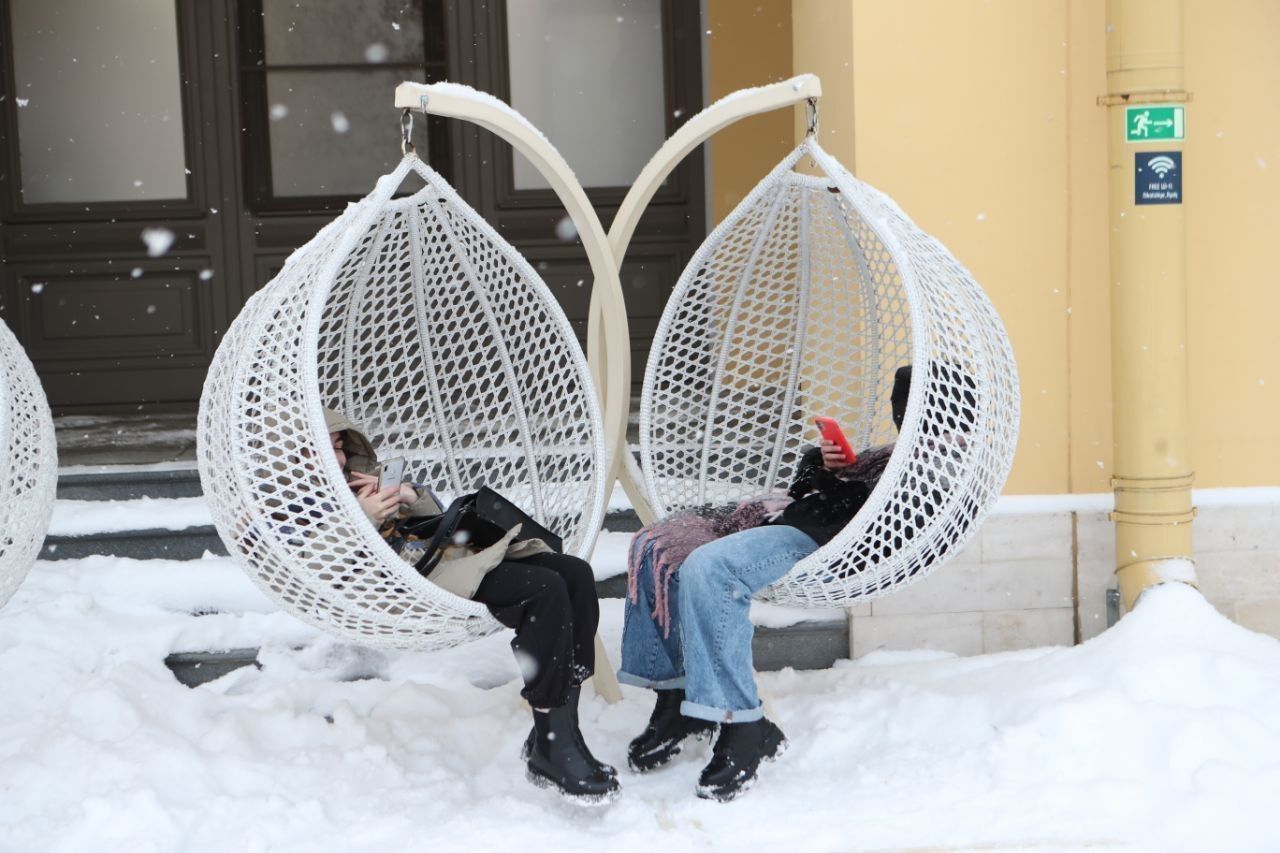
x,y
825,501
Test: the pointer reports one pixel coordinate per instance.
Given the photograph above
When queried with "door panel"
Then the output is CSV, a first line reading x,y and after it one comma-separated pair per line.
x,y
241,171
110,322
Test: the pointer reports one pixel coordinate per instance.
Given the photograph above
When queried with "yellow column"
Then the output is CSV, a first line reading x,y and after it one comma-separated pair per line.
x,y
1153,475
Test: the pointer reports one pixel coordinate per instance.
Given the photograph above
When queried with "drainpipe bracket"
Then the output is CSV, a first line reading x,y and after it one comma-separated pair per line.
x,y
1153,518
1153,484
1126,98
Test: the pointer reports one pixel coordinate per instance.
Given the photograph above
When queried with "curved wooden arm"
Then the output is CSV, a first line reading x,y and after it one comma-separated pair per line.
x,y
724,112
456,101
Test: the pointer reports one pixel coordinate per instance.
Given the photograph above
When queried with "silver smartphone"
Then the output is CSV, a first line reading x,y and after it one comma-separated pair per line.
x,y
392,474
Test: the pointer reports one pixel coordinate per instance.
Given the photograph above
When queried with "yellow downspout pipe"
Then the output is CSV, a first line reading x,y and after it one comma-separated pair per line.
x,y
1146,116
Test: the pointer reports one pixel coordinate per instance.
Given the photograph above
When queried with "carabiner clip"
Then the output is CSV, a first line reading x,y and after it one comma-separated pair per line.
x,y
406,132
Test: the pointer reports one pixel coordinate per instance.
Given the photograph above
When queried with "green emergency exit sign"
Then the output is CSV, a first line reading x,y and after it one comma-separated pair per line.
x,y
1151,124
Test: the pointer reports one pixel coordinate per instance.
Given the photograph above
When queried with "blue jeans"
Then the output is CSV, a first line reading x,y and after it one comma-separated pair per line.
x,y
708,652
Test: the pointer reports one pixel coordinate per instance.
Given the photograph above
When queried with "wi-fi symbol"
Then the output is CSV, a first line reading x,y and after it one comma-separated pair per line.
x,y
1161,165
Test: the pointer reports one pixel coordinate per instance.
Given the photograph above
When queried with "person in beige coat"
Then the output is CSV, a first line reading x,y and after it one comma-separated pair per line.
x,y
549,599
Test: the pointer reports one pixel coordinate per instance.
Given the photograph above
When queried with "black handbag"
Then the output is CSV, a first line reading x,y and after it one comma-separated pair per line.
x,y
479,519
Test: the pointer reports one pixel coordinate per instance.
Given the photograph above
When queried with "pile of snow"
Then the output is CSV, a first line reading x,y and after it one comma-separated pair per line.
x,y
1163,733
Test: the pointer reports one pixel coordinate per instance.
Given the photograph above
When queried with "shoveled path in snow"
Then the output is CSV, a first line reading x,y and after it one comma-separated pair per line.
x,y
1163,733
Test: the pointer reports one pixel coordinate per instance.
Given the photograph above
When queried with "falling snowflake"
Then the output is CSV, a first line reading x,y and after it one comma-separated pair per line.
x,y
340,122
158,240
566,230
278,111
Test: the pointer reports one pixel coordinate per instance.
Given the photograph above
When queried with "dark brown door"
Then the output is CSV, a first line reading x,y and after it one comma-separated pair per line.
x,y
163,157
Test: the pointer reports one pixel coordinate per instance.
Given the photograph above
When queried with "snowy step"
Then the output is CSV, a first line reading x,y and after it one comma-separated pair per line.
x,y
184,544
188,544
175,528
153,515
802,646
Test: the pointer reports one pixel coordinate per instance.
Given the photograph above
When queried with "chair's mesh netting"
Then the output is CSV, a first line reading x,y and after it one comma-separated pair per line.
x,y
415,319
29,469
804,302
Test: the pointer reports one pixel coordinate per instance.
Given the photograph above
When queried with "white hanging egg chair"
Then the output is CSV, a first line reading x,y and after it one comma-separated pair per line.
x,y
414,318
805,301
29,469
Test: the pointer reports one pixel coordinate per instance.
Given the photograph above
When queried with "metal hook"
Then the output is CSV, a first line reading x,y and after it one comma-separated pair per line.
x,y
406,132
811,114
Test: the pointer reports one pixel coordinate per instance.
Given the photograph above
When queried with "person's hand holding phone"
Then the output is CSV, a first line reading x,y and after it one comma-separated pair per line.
x,y
833,458
377,504
836,450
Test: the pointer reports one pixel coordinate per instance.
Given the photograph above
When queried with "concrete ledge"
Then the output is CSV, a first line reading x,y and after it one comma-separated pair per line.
x,y
805,645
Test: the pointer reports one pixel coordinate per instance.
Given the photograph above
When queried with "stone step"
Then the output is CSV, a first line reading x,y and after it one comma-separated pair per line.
x,y
109,485
806,645
188,544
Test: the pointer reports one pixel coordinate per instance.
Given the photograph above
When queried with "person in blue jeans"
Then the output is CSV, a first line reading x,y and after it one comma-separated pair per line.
x,y
687,633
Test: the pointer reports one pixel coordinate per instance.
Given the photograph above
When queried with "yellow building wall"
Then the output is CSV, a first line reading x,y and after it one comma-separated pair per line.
x,y
746,44
1232,185
981,120
1088,354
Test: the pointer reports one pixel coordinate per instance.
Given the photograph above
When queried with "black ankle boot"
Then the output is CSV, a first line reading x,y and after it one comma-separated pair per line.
x,y
575,693
558,760
737,756
662,739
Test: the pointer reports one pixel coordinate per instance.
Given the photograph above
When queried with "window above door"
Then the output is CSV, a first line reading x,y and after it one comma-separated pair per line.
x,y
97,102
317,78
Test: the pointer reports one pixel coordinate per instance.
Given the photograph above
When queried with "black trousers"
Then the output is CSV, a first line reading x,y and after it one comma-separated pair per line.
x,y
550,601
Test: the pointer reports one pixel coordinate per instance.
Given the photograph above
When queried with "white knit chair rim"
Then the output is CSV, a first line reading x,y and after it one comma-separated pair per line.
x,y
413,317
803,302
29,470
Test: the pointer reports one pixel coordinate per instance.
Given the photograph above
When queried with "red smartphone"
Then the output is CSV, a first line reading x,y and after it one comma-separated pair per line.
x,y
831,431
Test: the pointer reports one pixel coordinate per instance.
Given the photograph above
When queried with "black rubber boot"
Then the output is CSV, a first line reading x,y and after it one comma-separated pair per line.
x,y
574,693
558,760
737,756
664,737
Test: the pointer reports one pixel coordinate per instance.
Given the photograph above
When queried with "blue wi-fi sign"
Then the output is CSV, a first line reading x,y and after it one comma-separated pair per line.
x,y
1157,177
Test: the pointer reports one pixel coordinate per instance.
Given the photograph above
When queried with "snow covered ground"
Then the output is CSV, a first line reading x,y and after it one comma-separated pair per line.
x,y
1162,734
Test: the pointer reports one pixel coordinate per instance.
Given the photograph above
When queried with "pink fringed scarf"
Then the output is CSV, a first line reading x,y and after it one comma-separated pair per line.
x,y
671,541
